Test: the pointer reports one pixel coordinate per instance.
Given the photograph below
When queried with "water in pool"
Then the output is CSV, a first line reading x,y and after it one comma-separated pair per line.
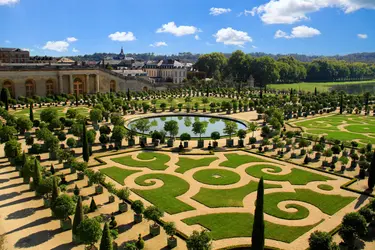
x,y
185,124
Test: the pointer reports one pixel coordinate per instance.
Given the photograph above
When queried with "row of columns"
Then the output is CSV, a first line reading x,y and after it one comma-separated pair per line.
x,y
85,84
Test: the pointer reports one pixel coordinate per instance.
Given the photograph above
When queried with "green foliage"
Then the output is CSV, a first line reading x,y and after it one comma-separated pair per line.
x,y
215,135
106,241
85,147
153,213
185,137
96,115
230,128
171,127
89,231
24,123
199,240
12,148
140,244
48,114
63,207
199,128
123,194
78,215
170,228
93,206
137,207
118,133
320,241
355,221
7,133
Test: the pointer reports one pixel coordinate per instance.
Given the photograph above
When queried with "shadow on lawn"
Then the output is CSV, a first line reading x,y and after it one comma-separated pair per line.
x,y
35,223
36,239
11,186
4,197
24,213
361,200
125,227
27,199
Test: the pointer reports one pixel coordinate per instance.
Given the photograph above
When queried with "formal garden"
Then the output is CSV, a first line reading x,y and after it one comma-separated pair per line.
x,y
187,168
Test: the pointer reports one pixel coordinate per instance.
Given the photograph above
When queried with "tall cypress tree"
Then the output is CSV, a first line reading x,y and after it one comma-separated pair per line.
x,y
85,147
371,176
341,104
257,237
77,98
261,94
5,97
37,177
55,190
128,94
31,116
315,92
78,216
106,242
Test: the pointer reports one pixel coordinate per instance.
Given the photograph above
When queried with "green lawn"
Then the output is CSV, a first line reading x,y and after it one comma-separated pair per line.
x,y
227,197
328,204
37,111
189,163
165,196
118,174
230,225
310,86
358,127
296,177
153,161
236,160
216,177
325,187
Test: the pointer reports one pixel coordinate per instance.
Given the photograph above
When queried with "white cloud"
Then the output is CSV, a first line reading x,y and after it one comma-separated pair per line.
x,y
8,2
71,39
122,36
219,11
158,44
254,47
196,37
298,32
362,36
7,41
59,46
74,50
292,11
230,36
177,30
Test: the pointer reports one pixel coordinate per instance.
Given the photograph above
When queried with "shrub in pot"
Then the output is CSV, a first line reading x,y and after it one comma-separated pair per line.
x,y
138,208
170,230
230,129
62,208
152,213
185,137
215,136
123,194
241,134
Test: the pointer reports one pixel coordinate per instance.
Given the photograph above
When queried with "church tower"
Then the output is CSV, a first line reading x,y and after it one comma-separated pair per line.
x,y
122,55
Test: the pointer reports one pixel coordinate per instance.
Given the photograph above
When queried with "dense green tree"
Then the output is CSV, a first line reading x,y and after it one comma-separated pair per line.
x,y
48,114
211,63
257,237
106,241
199,240
89,231
78,216
37,175
320,241
371,171
85,146
5,97
31,114
265,70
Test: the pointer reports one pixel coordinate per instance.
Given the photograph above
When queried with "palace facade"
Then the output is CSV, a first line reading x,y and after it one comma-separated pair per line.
x,y
57,79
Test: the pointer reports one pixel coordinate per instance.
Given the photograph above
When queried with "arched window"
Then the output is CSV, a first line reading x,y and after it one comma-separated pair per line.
x,y
112,86
78,86
49,87
8,85
30,88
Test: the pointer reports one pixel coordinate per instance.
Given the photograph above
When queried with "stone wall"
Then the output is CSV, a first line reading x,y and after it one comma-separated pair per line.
x,y
62,78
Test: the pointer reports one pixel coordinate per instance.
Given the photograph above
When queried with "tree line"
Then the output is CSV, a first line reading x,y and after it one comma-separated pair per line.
x,y
265,69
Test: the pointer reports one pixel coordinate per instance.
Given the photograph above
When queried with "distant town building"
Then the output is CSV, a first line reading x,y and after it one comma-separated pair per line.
x,y
13,55
166,70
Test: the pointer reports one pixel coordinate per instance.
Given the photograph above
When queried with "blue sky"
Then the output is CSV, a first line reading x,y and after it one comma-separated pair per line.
x,y
73,27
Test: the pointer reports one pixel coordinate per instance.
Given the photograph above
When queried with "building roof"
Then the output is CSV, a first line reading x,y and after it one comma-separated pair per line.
x,y
65,60
12,50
